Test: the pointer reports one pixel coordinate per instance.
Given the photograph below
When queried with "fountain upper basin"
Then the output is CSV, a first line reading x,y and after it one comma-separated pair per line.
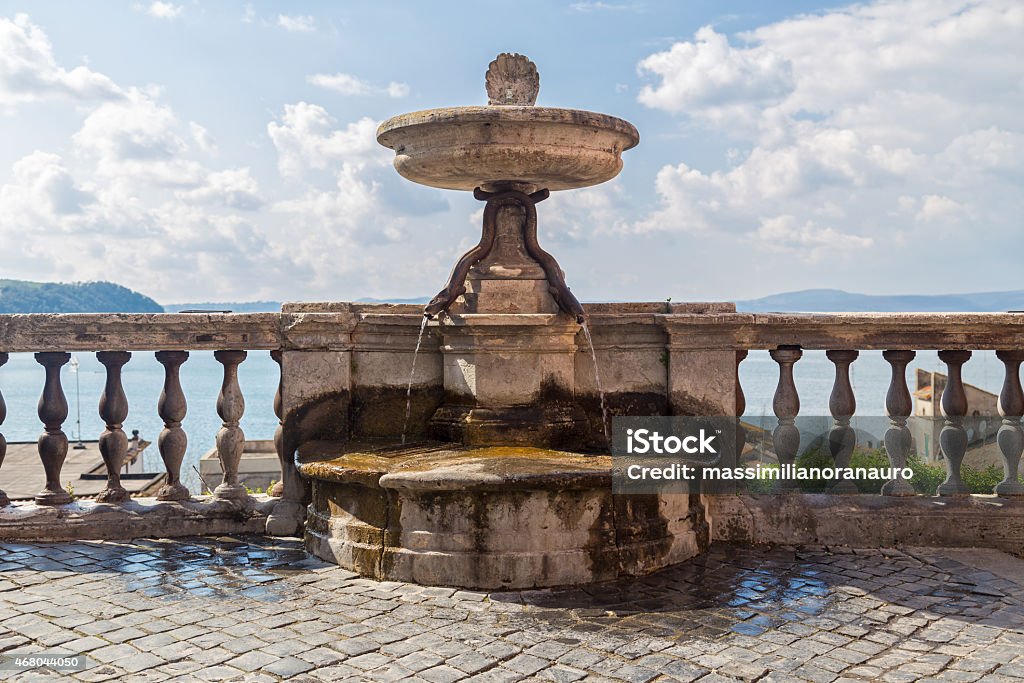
x,y
462,148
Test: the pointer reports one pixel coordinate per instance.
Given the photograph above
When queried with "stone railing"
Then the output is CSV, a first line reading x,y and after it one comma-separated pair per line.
x,y
116,338
949,516
897,336
345,374
315,341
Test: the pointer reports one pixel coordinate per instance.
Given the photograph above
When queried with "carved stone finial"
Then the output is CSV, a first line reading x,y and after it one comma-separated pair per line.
x,y
512,79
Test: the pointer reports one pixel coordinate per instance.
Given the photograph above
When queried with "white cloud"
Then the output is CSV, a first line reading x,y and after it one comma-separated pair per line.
x,y
711,76
347,84
164,10
848,127
344,206
160,239
397,90
138,138
29,72
809,241
936,208
202,138
305,137
249,15
137,187
587,6
42,187
572,217
297,23
233,187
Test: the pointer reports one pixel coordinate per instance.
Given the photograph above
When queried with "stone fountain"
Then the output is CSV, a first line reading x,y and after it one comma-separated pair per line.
x,y
504,481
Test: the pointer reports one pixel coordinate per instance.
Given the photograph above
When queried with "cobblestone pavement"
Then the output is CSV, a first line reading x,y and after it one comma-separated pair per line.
x,y
256,609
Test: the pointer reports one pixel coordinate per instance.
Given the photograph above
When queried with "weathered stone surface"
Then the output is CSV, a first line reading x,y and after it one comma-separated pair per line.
x,y
254,609
862,331
462,148
323,325
138,331
486,355
133,518
701,382
512,79
509,380
491,518
867,520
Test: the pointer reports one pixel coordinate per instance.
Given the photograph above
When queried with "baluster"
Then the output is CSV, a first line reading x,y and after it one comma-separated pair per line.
x,y
786,404
230,438
842,404
898,405
285,459
4,500
741,407
288,514
953,437
53,442
173,441
113,411
1010,436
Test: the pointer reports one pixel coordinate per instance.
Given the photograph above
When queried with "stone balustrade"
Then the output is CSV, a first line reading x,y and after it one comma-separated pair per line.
x,y
897,336
345,371
122,339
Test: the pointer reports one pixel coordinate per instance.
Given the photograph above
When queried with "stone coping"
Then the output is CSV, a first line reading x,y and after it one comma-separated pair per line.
x,y
436,466
596,308
690,326
139,517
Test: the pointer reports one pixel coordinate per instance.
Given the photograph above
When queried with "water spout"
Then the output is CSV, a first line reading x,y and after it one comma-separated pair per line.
x,y
412,374
597,378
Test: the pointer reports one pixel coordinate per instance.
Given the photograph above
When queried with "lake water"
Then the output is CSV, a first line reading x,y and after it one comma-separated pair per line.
x,y
21,381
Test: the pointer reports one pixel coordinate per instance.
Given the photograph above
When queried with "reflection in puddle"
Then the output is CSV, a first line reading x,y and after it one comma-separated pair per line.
x,y
207,567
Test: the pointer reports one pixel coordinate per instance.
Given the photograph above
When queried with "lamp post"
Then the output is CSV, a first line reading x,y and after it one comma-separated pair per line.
x,y
73,365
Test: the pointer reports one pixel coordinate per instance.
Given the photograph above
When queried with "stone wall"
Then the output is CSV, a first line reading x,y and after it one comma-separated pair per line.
x,y
867,521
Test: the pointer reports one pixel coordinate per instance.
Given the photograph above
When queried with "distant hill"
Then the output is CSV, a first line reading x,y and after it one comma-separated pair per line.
x,y
272,306
21,296
833,300
233,306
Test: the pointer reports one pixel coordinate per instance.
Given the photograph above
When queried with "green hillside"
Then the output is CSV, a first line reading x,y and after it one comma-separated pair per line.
x,y
20,296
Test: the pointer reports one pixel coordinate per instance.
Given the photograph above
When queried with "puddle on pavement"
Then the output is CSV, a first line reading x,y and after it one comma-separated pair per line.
x,y
216,568
707,597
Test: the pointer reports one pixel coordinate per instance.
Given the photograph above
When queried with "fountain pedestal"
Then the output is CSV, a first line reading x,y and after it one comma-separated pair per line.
x,y
509,379
508,279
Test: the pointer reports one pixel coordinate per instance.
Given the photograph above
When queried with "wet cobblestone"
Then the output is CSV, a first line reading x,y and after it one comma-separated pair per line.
x,y
257,609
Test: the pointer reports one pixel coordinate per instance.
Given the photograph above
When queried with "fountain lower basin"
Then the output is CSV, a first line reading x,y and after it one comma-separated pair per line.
x,y
488,518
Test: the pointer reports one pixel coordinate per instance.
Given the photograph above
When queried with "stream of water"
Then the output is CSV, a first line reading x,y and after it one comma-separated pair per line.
x,y
597,379
412,374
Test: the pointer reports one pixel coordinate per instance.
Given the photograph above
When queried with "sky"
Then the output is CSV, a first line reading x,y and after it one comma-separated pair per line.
x,y
226,151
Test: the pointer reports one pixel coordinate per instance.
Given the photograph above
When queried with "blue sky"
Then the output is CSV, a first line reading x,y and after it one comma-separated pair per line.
x,y
225,151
